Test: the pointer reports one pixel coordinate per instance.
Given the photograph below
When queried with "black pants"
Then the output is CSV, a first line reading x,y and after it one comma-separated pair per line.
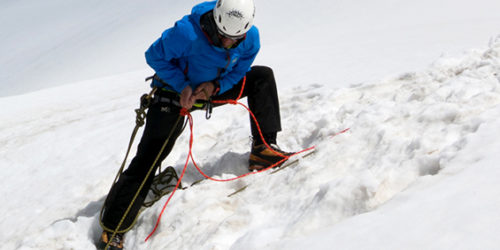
x,y
163,119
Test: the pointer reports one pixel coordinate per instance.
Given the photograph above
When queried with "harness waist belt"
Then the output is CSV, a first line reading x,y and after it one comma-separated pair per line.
x,y
163,99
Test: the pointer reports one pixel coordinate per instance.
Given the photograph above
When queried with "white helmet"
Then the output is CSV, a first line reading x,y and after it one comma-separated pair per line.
x,y
234,17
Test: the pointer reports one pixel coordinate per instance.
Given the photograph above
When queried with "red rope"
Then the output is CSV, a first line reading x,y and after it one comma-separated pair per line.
x,y
185,112
234,102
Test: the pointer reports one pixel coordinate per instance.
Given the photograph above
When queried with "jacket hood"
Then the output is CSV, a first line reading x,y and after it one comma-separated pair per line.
x,y
200,9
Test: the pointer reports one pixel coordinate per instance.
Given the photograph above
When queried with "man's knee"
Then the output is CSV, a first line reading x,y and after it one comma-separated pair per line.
x,y
263,71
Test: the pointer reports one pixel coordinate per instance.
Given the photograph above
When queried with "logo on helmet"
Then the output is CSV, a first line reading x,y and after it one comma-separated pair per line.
x,y
235,13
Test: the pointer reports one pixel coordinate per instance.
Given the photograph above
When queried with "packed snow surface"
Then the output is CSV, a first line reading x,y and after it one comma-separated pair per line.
x,y
418,168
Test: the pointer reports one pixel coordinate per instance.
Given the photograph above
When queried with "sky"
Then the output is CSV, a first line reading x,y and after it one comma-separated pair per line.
x,y
417,83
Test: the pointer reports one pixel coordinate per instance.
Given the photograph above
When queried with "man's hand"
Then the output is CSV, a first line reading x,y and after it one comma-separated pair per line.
x,y
204,91
187,99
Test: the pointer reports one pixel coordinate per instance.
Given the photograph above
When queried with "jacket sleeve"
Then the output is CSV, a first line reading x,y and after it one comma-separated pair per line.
x,y
164,53
243,65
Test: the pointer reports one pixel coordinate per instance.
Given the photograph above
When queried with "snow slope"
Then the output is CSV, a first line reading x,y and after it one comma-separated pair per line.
x,y
416,171
418,165
55,42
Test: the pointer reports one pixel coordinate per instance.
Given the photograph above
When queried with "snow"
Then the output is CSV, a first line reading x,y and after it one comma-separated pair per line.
x,y
455,209
418,84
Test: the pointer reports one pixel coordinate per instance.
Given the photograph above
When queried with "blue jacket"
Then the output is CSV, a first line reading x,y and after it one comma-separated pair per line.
x,y
183,55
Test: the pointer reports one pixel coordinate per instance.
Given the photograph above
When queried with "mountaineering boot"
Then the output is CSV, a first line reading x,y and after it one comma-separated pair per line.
x,y
116,242
262,157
